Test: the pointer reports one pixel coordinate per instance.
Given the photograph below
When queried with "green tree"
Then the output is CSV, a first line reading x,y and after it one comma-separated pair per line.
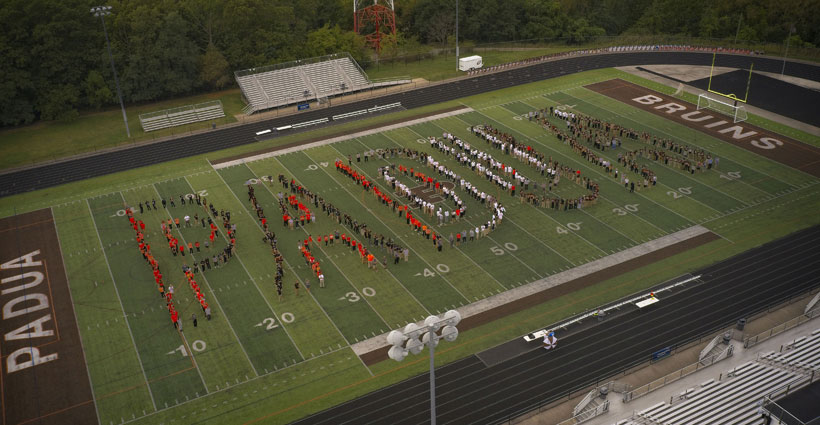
x,y
215,71
327,40
97,92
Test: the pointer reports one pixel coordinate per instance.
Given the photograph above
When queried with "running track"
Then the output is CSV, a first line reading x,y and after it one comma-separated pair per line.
x,y
469,392
114,161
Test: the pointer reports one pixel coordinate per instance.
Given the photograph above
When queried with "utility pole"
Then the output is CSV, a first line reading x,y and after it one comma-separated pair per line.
x,y
102,11
788,39
456,35
737,33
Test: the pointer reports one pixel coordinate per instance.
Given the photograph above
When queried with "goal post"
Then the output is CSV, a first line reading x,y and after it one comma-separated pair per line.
x,y
737,112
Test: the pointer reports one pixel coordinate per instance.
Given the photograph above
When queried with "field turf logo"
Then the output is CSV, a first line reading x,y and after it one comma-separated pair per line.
x,y
709,122
29,298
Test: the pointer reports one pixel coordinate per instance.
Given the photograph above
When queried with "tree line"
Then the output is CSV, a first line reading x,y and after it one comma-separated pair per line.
x,y
54,60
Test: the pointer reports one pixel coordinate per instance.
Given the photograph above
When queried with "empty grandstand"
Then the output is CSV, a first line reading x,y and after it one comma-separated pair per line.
x,y
304,80
737,398
181,116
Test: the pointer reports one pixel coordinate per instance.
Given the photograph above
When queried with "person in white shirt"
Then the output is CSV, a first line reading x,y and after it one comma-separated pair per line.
x,y
550,341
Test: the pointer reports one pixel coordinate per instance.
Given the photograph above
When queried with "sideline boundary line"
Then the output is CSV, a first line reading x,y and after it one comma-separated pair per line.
x,y
323,142
515,294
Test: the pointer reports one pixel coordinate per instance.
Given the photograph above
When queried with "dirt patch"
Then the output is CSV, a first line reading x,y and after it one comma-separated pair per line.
x,y
564,289
766,143
44,377
330,136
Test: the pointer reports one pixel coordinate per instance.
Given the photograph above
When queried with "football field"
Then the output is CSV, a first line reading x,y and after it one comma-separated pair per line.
x,y
274,359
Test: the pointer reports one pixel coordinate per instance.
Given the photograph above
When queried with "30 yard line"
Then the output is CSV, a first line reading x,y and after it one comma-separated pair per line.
x,y
397,235
294,272
473,225
593,169
583,210
125,315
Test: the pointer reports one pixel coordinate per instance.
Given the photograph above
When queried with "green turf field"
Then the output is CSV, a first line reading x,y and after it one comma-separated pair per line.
x,y
262,359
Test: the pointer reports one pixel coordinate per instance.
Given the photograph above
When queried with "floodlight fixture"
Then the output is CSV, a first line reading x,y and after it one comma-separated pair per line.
x,y
407,341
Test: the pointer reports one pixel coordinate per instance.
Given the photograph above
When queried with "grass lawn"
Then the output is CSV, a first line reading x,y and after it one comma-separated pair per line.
x,y
275,361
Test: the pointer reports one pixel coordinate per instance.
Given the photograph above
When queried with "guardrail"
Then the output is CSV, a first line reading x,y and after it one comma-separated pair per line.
x,y
383,107
309,123
676,375
546,404
783,327
349,114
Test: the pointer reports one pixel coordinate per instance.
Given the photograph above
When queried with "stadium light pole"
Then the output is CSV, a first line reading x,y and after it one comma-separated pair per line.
x,y
788,39
407,341
101,12
457,35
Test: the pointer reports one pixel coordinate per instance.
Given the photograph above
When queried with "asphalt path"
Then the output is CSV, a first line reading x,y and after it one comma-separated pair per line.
x,y
141,155
469,392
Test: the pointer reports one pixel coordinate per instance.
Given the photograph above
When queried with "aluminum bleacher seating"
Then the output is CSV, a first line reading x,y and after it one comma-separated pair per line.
x,y
181,116
735,399
303,81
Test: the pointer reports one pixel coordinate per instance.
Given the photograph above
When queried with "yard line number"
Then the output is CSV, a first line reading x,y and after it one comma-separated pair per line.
x,y
681,191
442,268
509,246
198,346
623,211
731,175
571,226
270,323
353,296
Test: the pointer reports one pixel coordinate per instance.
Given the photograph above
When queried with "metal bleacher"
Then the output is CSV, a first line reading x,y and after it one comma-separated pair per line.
x,y
304,81
736,398
180,116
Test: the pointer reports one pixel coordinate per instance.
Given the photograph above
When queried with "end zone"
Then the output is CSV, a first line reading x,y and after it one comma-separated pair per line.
x,y
763,142
44,375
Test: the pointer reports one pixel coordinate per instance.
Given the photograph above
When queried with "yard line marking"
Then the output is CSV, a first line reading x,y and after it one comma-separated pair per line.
x,y
255,284
528,232
466,220
227,320
595,170
671,168
325,253
388,227
179,331
292,269
693,131
659,184
111,274
581,209
613,203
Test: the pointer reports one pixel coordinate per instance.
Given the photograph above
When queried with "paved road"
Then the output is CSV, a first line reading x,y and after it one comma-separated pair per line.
x,y
112,162
469,392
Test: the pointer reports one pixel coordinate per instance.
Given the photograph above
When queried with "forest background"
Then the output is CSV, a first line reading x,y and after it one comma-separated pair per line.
x,y
55,63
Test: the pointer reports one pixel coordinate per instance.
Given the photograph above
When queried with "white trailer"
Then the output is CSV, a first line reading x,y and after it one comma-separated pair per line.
x,y
470,62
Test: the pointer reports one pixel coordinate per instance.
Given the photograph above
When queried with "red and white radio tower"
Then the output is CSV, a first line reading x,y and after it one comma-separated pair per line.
x,y
374,21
